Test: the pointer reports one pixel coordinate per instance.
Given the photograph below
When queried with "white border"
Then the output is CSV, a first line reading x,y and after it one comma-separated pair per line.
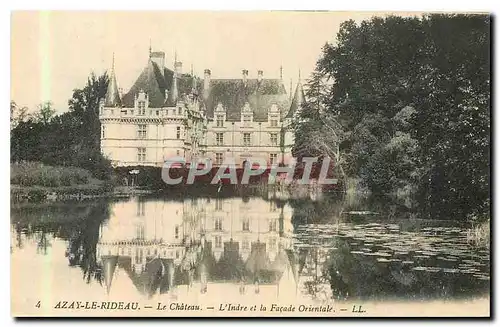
x,y
351,5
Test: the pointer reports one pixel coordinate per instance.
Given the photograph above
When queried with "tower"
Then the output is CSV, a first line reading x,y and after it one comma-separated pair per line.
x,y
112,98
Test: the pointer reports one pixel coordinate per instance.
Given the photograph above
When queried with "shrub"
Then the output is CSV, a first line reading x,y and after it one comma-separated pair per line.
x,y
37,174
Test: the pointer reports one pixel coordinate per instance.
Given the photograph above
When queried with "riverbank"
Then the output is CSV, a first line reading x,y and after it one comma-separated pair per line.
x,y
82,192
37,182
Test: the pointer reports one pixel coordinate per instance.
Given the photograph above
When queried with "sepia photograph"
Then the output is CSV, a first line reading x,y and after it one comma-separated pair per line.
x,y
315,164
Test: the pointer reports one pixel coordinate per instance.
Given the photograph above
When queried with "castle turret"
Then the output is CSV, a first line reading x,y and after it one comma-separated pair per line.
x,y
194,86
173,94
244,75
297,101
206,83
109,266
112,98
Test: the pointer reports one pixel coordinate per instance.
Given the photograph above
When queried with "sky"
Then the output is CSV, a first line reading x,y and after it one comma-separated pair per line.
x,y
53,52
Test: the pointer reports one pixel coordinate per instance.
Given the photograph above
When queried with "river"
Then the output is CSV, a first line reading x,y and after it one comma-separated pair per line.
x,y
251,247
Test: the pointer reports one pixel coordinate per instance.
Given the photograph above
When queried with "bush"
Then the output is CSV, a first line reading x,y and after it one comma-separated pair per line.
x,y
479,235
34,173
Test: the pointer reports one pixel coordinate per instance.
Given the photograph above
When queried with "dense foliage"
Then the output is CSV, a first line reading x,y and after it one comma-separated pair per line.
x,y
413,98
69,139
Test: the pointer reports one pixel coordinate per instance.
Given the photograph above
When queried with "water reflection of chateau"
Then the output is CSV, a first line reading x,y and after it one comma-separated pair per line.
x,y
200,244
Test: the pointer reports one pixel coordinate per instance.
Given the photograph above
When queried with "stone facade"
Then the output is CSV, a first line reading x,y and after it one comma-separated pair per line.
x,y
169,114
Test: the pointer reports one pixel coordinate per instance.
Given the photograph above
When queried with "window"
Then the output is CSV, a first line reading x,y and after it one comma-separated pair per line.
x,y
141,154
245,245
103,131
178,152
246,139
176,231
131,112
218,204
272,244
142,131
141,105
218,224
272,225
157,112
273,158
219,138
218,158
274,123
246,224
112,112
180,110
141,208
247,120
272,206
220,120
218,242
178,132
274,138
140,232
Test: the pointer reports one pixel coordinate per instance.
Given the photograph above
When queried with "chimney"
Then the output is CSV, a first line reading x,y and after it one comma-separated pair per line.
x,y
206,83
244,72
158,58
260,73
178,68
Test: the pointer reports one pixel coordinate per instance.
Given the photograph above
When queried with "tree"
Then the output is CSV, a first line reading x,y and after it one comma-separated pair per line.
x,y
45,112
84,104
412,95
17,115
69,139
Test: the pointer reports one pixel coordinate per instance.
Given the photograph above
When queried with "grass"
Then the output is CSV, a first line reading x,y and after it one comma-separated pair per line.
x,y
34,174
479,235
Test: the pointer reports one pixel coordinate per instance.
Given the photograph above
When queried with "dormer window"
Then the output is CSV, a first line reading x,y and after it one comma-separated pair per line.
x,y
141,105
247,115
273,120
220,121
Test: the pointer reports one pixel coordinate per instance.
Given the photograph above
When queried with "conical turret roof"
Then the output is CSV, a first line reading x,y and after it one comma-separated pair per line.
x,y
297,101
173,94
112,98
109,266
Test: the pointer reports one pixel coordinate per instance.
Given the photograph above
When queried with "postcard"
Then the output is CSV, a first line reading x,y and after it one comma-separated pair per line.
x,y
250,164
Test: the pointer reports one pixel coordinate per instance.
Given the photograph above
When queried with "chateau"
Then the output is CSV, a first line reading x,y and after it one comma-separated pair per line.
x,y
205,246
168,113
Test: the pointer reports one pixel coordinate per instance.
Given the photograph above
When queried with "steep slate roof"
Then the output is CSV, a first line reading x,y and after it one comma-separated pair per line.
x,y
155,277
154,83
297,101
234,93
151,82
112,98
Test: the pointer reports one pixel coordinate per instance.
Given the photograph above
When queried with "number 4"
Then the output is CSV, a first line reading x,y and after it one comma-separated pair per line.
x,y
37,304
